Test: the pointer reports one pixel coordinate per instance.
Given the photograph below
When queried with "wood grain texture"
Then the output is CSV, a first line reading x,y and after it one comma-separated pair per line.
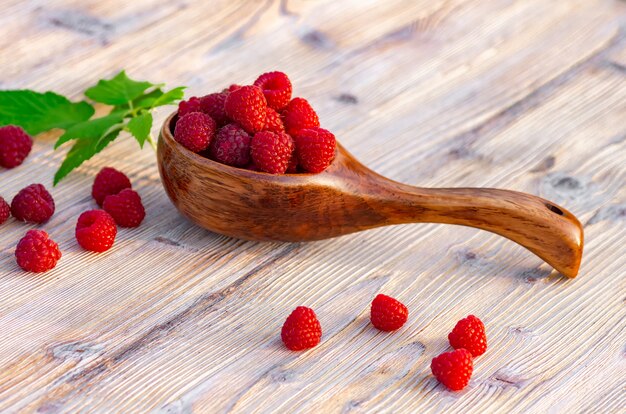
x,y
348,197
528,95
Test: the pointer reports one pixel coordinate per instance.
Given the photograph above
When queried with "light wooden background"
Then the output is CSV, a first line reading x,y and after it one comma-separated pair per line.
x,y
528,95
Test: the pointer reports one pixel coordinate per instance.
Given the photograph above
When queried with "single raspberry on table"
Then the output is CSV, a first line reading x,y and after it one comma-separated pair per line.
x,y
315,148
301,330
298,114
271,152
15,145
33,204
95,230
273,123
453,369
125,208
5,211
469,333
247,107
35,252
213,105
108,181
190,105
195,131
231,146
276,87
387,313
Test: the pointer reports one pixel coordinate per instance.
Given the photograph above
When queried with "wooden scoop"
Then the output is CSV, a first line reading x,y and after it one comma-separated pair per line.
x,y
349,197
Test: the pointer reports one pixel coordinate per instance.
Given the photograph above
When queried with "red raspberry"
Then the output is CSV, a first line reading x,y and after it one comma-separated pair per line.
x,y
96,230
33,204
15,145
276,87
213,106
299,115
273,122
5,210
246,106
195,131
292,168
126,208
190,105
301,330
388,314
35,252
231,88
453,369
108,181
231,146
469,333
315,148
271,152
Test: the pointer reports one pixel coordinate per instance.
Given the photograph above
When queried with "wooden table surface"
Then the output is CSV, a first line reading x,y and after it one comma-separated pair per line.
x,y
528,95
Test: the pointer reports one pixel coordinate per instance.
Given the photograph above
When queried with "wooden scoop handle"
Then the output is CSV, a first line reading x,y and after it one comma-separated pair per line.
x,y
546,229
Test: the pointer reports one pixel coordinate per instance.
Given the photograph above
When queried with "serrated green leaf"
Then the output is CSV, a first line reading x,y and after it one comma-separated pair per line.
x,y
170,97
140,127
146,101
93,128
118,90
38,112
82,150
154,98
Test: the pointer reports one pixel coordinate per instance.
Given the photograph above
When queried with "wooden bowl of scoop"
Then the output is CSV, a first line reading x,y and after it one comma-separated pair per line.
x,y
349,197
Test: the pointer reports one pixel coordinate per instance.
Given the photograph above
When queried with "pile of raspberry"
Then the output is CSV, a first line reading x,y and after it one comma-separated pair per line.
x,y
302,330
257,127
95,229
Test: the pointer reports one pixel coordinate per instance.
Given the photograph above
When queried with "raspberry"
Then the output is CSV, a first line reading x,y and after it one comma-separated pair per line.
x,y
5,210
195,131
292,168
213,106
315,148
469,333
276,87
35,252
108,181
231,88
301,330
271,152
189,106
15,145
299,115
33,204
453,369
125,208
96,230
388,314
231,146
246,106
273,122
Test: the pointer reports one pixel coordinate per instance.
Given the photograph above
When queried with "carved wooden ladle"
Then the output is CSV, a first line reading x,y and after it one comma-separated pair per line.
x,y
349,197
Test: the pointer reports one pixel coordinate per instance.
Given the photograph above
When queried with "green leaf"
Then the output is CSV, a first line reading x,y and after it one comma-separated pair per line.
x,y
170,97
140,127
93,129
38,112
82,150
147,100
117,91
154,98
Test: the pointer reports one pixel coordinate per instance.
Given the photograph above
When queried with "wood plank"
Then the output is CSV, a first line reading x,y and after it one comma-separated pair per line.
x,y
525,95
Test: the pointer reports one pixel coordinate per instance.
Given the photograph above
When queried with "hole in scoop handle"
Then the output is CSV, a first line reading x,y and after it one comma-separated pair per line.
x,y
550,231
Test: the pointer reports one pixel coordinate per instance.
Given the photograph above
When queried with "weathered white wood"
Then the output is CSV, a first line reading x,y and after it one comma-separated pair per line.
x,y
528,95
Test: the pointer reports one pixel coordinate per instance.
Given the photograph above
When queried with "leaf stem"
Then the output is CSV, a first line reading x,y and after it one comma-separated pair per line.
x,y
152,142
